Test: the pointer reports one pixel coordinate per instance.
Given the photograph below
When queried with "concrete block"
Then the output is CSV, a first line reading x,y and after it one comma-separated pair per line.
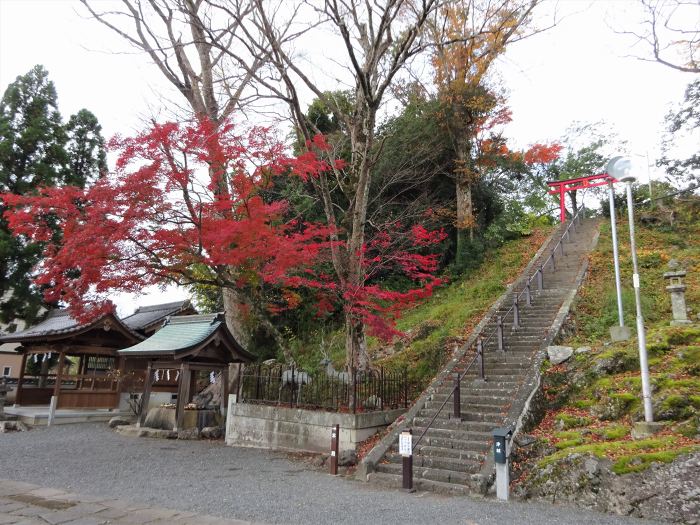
x,y
620,333
644,430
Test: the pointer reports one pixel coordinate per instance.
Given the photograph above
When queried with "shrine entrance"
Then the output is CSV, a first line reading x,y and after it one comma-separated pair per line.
x,y
560,187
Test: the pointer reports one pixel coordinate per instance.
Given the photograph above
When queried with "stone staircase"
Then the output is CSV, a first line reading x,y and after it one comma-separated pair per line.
x,y
454,456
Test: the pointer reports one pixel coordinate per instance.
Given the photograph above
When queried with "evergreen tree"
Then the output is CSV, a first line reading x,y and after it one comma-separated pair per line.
x,y
85,148
36,150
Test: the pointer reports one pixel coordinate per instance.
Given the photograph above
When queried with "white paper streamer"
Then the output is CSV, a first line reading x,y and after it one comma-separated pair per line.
x,y
157,375
212,378
177,375
36,358
167,374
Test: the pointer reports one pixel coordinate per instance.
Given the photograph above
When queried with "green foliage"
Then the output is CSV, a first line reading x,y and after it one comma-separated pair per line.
x,y
604,384
640,462
36,149
85,148
684,122
568,421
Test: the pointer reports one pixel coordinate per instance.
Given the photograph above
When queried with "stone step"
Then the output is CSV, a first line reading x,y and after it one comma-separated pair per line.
x,y
472,435
439,462
483,408
445,422
445,452
385,479
434,474
481,386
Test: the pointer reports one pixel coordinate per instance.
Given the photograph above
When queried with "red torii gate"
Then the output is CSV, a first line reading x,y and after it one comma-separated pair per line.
x,y
562,186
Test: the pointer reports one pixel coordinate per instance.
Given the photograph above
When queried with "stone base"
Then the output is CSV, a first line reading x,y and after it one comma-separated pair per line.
x,y
644,430
620,333
681,323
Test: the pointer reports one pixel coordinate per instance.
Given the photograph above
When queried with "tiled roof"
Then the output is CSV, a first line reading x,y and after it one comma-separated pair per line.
x,y
145,316
57,322
178,334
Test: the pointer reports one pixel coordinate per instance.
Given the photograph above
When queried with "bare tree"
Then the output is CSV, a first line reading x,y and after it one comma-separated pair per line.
x,y
377,40
670,33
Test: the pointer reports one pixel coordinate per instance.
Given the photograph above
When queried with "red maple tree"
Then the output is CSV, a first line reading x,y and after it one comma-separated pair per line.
x,y
186,205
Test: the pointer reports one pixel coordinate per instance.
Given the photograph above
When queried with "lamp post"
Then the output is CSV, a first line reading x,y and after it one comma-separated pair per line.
x,y
620,332
622,166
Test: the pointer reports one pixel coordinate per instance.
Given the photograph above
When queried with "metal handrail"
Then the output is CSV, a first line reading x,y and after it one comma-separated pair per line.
x,y
503,317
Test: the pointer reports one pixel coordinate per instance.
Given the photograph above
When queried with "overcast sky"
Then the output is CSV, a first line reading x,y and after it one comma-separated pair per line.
x,y
581,70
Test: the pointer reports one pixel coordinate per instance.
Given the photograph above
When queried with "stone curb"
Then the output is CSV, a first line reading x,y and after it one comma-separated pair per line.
x,y
31,503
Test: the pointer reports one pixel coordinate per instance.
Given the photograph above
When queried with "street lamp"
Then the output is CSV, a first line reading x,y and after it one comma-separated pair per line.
x,y
620,168
621,332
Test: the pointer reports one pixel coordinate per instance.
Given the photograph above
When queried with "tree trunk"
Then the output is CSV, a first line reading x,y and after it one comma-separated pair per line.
x,y
574,203
362,137
235,320
465,207
43,371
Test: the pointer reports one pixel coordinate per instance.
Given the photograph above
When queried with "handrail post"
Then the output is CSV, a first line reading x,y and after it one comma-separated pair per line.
x,y
554,266
480,353
540,279
516,313
499,332
561,247
566,234
528,296
457,401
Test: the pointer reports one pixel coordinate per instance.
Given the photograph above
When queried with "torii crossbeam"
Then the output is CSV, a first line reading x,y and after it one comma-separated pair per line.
x,y
560,187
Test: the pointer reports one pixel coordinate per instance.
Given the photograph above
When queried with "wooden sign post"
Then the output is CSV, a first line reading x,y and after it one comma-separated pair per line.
x,y
335,439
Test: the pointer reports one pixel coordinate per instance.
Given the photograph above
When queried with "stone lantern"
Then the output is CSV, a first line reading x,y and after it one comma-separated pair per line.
x,y
676,288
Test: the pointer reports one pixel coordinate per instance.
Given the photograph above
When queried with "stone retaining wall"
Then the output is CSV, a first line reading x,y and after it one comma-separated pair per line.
x,y
279,428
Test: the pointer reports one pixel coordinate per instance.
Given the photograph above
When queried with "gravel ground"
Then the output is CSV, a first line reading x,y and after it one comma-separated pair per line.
x,y
240,483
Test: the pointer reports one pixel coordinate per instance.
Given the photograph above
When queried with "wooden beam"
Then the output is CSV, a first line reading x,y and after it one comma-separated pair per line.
x,y
224,391
23,366
183,395
146,396
57,386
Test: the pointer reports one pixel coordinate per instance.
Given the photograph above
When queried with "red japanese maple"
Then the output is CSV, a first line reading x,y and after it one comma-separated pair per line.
x,y
187,196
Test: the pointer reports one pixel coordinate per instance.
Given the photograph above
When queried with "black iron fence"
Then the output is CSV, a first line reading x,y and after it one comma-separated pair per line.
x,y
361,391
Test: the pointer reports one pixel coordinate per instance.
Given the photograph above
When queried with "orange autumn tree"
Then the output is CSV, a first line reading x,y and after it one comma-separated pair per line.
x,y
473,111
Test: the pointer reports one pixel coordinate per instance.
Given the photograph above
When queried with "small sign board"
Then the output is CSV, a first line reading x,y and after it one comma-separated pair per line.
x,y
405,444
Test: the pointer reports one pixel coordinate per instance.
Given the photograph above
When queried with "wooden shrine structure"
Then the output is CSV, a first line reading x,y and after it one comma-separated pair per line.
x,y
85,357
77,362
185,347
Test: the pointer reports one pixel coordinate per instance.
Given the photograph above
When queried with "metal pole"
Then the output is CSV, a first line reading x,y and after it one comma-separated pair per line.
x,y
516,313
554,266
528,297
457,407
641,336
616,255
499,332
480,353
540,279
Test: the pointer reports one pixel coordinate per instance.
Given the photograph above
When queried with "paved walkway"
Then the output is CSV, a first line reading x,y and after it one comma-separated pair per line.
x,y
208,478
28,504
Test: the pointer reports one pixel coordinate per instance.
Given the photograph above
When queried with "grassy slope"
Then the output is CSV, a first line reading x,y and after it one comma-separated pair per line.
x,y
595,397
433,328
